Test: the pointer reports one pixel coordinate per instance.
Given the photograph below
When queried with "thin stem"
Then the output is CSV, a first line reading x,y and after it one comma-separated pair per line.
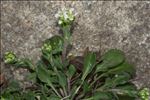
x,y
97,79
78,88
80,96
55,69
68,81
93,74
74,79
65,97
64,52
54,90
82,84
66,35
65,91
62,92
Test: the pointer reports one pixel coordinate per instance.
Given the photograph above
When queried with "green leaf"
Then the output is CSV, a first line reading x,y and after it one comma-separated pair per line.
x,y
25,63
29,95
52,73
86,87
45,89
57,62
44,76
42,97
32,77
110,59
62,79
71,71
12,91
13,86
56,43
126,98
118,79
124,67
129,90
54,79
6,96
73,89
53,97
11,96
101,96
89,62
46,57
43,73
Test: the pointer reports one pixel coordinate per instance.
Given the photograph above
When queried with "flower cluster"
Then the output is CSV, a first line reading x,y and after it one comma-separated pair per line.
x,y
9,57
65,17
46,48
144,94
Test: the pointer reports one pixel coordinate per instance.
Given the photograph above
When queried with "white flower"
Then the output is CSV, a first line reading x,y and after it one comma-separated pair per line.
x,y
65,16
64,9
71,9
57,15
60,22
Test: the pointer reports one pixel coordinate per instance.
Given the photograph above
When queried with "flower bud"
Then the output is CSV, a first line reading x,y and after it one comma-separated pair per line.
x,y
46,48
9,57
53,45
144,94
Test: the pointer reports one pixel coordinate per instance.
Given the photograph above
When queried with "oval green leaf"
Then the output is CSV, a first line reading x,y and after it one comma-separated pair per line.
x,y
110,59
89,63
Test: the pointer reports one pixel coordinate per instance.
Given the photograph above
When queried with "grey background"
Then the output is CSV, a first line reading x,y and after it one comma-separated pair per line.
x,y
100,25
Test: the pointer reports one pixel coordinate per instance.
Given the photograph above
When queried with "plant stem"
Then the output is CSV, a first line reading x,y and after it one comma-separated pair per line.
x,y
68,81
65,91
66,35
80,96
62,92
82,84
78,88
97,79
74,79
65,97
64,53
56,71
54,90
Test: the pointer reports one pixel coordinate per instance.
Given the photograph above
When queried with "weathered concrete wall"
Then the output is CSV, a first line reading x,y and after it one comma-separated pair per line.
x,y
100,26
